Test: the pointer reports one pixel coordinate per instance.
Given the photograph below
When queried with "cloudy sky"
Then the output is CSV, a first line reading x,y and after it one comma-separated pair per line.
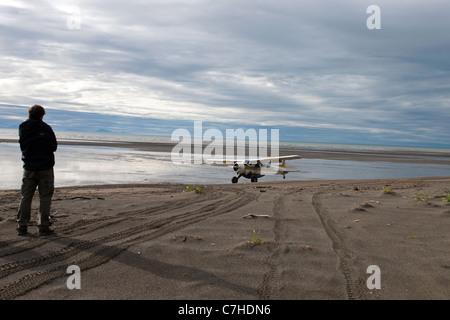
x,y
311,68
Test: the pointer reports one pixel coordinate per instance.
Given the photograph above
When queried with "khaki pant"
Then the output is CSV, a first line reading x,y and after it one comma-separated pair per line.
x,y
44,181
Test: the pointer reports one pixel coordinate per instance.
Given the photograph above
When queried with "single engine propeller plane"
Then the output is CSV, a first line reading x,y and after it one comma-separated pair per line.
x,y
254,169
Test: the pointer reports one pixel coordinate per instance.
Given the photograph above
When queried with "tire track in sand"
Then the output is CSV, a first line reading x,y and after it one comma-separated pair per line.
x,y
103,249
18,245
347,266
271,283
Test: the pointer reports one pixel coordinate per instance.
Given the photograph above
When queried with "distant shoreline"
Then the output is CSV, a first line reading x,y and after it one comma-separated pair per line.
x,y
307,153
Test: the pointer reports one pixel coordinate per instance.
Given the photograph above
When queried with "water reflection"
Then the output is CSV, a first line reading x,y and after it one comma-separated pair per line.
x,y
81,165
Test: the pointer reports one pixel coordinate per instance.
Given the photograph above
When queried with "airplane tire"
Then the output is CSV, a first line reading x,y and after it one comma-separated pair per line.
x,y
254,179
234,180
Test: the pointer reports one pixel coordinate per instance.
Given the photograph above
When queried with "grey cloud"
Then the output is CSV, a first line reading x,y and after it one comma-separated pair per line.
x,y
306,62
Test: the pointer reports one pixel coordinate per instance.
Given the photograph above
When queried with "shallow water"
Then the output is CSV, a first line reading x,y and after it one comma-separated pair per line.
x,y
82,165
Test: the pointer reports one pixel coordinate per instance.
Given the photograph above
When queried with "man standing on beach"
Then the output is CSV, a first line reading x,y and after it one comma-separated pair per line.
x,y
38,144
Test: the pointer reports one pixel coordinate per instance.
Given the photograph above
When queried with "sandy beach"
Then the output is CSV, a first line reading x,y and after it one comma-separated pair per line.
x,y
291,240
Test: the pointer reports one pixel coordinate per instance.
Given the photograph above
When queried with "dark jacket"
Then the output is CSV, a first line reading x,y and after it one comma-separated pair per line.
x,y
37,142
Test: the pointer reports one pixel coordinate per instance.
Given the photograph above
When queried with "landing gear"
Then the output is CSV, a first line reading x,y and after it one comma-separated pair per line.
x,y
253,178
236,179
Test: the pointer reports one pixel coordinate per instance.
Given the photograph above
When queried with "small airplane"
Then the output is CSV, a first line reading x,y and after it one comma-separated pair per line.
x,y
254,169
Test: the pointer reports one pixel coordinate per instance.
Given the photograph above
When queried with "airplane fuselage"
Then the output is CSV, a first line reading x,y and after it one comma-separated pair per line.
x,y
254,171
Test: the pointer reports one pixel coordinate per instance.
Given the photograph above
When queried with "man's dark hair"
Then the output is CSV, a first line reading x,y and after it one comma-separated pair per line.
x,y
36,112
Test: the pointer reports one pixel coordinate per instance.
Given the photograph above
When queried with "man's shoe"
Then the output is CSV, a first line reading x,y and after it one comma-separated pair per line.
x,y
46,232
22,232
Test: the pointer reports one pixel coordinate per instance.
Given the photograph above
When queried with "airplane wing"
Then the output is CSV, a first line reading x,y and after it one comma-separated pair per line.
x,y
291,157
251,160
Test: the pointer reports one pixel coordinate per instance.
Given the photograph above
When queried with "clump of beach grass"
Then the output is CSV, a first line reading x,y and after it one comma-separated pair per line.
x,y
256,238
387,190
421,198
193,188
446,196
412,235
